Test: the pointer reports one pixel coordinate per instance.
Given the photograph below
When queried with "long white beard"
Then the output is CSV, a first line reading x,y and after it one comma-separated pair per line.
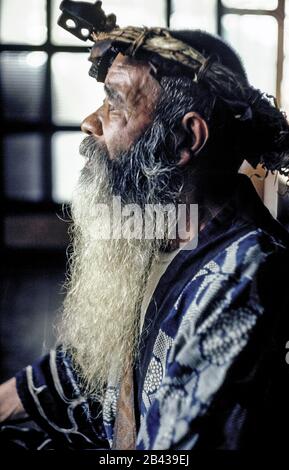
x,y
100,320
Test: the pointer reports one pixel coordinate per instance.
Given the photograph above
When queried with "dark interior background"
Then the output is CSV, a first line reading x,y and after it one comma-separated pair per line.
x,y
45,94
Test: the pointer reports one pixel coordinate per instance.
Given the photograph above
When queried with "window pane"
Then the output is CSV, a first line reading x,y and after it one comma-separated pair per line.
x,y
255,38
75,93
23,85
136,13
23,166
194,15
66,164
23,21
35,231
251,4
131,12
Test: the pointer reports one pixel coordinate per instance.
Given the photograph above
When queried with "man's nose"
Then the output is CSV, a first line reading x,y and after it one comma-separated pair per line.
x,y
92,125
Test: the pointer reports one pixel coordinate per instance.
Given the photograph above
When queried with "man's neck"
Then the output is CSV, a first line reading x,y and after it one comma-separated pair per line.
x,y
192,229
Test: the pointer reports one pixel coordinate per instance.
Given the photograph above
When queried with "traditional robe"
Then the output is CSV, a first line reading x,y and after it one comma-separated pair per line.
x,y
211,370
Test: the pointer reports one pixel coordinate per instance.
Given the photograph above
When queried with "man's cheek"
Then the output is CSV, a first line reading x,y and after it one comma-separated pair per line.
x,y
116,144
119,139
137,124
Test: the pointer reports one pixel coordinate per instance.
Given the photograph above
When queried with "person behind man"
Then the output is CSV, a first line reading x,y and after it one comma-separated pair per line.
x,y
163,345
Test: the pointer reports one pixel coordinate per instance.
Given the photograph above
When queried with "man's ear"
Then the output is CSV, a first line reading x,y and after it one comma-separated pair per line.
x,y
197,128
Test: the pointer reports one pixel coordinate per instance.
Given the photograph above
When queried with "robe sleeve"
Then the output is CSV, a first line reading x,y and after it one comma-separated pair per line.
x,y
51,396
226,322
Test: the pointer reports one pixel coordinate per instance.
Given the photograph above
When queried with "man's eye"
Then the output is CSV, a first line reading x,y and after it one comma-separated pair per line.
x,y
111,107
108,105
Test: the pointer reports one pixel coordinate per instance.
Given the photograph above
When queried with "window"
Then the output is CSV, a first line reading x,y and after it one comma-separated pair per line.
x,y
256,29
194,15
258,50
46,92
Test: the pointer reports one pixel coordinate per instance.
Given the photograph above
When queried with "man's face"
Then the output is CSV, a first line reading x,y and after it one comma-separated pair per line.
x,y
131,97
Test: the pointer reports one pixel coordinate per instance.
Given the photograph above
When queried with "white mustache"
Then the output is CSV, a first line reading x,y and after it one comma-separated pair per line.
x,y
89,146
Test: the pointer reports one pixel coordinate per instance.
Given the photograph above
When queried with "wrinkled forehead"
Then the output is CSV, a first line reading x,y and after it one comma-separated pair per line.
x,y
128,74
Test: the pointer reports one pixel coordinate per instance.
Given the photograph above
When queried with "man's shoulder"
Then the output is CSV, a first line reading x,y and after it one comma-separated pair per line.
x,y
229,295
256,257
252,247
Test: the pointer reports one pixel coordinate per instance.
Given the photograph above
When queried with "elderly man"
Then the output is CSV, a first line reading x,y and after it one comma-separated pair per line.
x,y
162,344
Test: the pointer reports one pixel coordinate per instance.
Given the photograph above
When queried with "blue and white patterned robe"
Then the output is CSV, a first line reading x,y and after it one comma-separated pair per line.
x,y
211,366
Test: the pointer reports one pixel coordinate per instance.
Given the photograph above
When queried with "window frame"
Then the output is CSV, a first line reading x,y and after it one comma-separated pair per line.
x,y
47,128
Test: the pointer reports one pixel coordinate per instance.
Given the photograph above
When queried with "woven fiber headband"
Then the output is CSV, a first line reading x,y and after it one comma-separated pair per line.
x,y
88,21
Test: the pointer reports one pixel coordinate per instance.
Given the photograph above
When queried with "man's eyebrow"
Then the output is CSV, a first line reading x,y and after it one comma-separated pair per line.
x,y
113,94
